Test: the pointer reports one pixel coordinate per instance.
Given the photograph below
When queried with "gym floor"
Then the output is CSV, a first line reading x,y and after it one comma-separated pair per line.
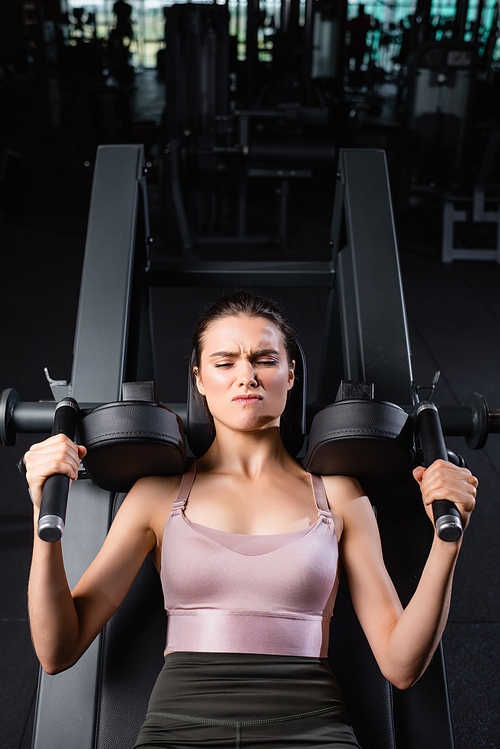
x,y
454,324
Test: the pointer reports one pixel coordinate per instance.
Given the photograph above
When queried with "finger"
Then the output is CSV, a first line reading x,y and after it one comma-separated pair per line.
x,y
446,485
53,459
38,473
466,499
443,475
460,499
418,473
444,467
48,451
56,442
465,506
53,439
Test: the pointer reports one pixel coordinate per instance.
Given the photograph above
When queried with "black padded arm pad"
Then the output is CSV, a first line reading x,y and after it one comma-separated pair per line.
x,y
130,439
369,440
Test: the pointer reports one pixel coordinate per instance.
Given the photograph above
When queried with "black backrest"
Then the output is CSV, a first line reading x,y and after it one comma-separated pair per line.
x,y
131,658
367,694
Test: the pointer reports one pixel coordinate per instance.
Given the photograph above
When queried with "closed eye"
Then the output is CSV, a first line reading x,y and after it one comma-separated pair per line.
x,y
255,361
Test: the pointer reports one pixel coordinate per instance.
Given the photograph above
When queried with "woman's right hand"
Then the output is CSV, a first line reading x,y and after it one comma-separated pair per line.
x,y
57,454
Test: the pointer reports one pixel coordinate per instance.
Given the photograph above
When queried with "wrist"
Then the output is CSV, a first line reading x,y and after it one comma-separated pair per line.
x,y
446,549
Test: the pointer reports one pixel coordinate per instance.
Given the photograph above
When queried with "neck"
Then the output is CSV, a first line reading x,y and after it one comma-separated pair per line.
x,y
250,453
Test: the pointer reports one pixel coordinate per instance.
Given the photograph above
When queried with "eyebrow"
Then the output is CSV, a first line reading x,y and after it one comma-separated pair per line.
x,y
260,352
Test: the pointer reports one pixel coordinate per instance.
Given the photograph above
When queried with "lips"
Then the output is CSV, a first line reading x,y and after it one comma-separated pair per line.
x,y
247,399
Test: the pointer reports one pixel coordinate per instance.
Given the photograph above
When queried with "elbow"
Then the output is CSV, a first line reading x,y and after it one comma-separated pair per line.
x,y
403,683
54,667
404,679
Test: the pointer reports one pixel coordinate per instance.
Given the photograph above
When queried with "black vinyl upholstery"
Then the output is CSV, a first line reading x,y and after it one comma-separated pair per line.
x,y
131,658
370,440
130,439
367,693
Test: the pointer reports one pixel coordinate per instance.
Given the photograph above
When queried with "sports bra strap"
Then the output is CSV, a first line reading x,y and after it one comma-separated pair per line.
x,y
185,488
320,498
317,484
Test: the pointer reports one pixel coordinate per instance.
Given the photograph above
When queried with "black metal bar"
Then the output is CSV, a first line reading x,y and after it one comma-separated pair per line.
x,y
331,370
33,418
308,52
56,486
373,316
227,239
107,273
446,515
252,54
456,421
265,273
37,417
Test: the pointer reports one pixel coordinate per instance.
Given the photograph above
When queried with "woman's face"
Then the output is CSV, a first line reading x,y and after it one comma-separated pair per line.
x,y
244,372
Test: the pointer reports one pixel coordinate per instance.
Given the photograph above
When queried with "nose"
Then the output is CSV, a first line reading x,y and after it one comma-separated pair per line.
x,y
247,376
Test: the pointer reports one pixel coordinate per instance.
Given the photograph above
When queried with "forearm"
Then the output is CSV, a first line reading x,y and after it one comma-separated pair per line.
x,y
53,617
416,634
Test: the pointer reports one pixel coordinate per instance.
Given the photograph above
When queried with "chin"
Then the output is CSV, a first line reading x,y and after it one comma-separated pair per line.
x,y
259,426
250,424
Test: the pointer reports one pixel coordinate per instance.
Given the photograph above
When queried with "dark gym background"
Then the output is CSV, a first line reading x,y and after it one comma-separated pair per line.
x,y
70,80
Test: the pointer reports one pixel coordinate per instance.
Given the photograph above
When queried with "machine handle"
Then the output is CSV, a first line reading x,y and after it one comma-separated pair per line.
x,y
56,487
446,516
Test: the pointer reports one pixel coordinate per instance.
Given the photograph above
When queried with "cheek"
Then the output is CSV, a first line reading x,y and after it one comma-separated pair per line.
x,y
212,382
278,387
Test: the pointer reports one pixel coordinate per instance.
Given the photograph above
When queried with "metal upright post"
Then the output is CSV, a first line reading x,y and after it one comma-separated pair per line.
x,y
372,310
308,53
67,704
252,52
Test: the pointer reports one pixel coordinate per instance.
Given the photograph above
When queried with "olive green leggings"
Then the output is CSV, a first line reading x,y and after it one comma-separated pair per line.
x,y
242,701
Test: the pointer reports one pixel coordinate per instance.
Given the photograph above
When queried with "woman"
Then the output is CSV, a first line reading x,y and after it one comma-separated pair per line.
x,y
246,544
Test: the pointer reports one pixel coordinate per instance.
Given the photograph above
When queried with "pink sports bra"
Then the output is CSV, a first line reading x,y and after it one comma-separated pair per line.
x,y
234,593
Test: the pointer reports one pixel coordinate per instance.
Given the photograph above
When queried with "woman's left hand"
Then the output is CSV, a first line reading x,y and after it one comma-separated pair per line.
x,y
444,480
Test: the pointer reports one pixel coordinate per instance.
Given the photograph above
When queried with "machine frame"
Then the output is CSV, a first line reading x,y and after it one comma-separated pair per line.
x,y
366,320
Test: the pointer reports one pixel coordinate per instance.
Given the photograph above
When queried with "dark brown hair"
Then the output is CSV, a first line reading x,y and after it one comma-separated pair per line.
x,y
244,303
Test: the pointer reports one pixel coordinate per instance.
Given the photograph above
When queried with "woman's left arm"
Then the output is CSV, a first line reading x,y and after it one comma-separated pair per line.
x,y
403,641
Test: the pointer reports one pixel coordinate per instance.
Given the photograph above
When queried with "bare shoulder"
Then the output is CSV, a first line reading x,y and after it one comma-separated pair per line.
x,y
344,494
342,489
149,502
150,488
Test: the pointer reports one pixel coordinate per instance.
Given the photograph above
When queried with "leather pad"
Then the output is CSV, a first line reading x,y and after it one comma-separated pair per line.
x,y
127,440
372,441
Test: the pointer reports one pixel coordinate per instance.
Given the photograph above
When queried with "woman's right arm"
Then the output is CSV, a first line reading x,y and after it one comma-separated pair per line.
x,y
64,623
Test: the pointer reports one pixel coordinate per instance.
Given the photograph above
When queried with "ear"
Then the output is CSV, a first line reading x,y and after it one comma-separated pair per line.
x,y
199,383
291,375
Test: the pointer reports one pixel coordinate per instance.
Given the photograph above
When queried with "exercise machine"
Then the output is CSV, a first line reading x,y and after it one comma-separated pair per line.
x,y
101,701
